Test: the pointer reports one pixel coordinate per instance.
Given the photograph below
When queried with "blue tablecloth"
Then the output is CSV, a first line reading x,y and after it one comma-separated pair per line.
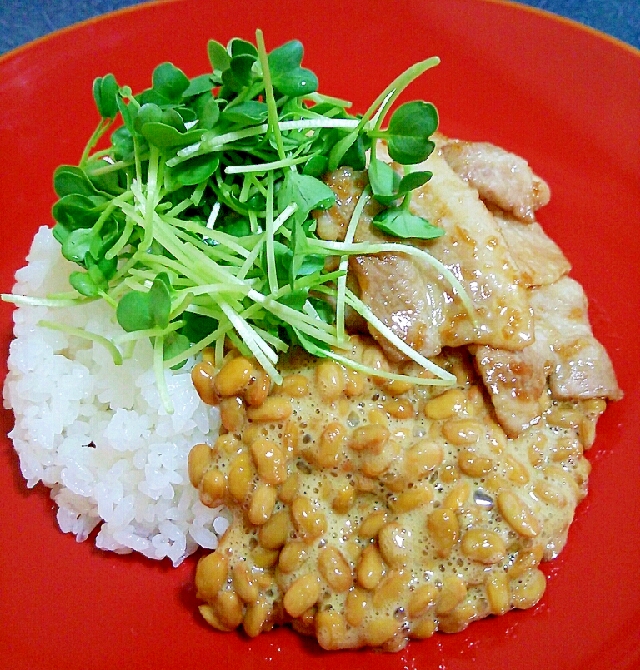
x,y
24,20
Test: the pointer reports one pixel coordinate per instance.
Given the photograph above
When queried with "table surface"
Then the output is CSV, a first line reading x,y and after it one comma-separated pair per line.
x,y
24,20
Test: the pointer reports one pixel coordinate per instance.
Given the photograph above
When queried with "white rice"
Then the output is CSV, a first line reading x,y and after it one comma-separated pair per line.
x,y
97,434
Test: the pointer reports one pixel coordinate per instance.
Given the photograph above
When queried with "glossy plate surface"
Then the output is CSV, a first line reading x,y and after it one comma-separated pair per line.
x,y
566,98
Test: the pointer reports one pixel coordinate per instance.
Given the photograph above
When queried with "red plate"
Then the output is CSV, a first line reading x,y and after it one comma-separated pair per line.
x,y
563,96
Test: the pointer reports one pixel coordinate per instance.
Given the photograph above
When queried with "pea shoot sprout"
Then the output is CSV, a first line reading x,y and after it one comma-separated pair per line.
x,y
196,222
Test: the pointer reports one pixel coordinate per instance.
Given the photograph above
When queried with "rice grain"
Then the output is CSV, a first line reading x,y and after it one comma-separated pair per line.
x,y
97,434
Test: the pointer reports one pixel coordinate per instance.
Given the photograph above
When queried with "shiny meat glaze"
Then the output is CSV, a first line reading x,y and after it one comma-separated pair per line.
x,y
565,355
511,270
410,297
500,177
538,258
581,367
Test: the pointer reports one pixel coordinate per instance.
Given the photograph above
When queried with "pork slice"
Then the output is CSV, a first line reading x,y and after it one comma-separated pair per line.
x,y
500,177
516,382
413,298
565,357
581,366
539,259
475,252
348,185
400,295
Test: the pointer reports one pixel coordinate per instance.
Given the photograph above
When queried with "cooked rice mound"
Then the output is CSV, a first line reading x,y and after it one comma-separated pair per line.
x,y
97,434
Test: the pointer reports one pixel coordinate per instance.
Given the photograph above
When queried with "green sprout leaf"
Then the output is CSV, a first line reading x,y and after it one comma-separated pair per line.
x,y
105,91
174,345
68,179
160,300
240,47
218,56
302,262
398,222
150,112
316,166
246,113
239,74
207,111
409,130
78,211
138,310
384,181
164,136
169,81
128,112
203,83
307,192
77,244
133,312
84,284
196,170
287,75
413,180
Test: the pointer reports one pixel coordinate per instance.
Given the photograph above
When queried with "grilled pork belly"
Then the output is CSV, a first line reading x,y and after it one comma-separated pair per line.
x,y
539,259
500,177
530,334
564,357
411,297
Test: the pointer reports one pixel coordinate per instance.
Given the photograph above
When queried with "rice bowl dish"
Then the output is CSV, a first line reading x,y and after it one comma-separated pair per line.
x,y
111,440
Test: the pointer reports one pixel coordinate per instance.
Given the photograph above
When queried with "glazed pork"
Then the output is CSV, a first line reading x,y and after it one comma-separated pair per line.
x,y
412,298
500,177
530,333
